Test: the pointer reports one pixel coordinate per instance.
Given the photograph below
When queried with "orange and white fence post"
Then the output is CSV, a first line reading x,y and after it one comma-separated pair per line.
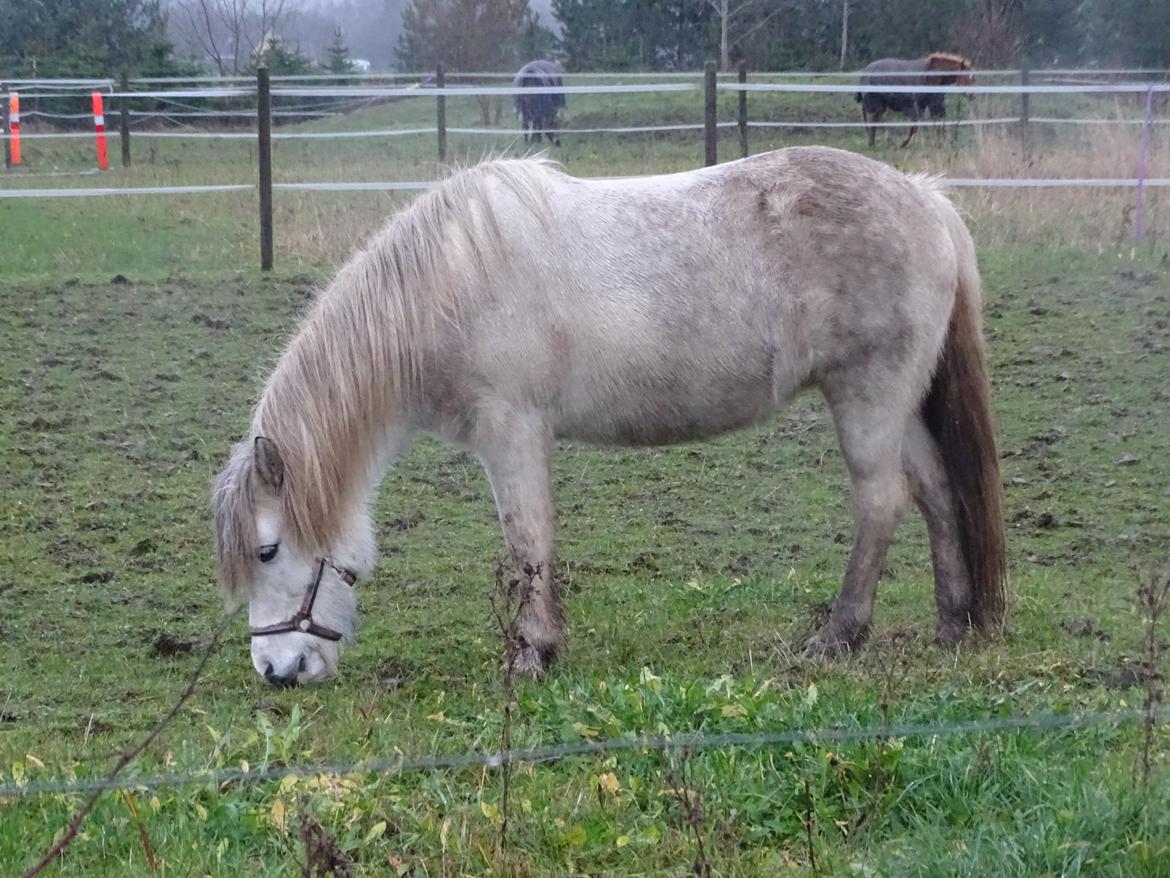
x,y
14,128
99,127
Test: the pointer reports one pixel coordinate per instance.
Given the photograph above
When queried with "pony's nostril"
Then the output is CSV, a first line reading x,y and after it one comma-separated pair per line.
x,y
276,679
301,664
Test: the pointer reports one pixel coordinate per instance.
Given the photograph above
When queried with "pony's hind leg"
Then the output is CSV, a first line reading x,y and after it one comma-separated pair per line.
x,y
870,435
931,490
516,457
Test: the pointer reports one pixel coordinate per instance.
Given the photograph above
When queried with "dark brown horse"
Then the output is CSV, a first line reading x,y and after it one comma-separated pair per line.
x,y
898,71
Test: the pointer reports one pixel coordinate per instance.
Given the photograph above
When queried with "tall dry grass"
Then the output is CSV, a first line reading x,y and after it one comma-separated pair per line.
x,y
318,227
1100,218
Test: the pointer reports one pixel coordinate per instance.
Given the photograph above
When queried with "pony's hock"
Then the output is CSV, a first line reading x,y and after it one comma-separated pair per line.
x,y
656,310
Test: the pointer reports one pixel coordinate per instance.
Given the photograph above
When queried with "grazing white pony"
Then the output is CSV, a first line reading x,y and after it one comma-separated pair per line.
x,y
513,306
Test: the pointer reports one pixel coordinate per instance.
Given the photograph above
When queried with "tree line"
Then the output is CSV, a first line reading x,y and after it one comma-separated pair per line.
x,y
105,38
841,34
48,38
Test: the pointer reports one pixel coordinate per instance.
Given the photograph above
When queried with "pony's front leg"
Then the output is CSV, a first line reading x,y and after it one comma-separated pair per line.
x,y
516,457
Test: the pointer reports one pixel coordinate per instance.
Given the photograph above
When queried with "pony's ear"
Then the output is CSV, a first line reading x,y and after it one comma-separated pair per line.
x,y
269,463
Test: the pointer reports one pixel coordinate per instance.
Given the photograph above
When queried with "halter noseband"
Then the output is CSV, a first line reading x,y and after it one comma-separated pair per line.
x,y
303,620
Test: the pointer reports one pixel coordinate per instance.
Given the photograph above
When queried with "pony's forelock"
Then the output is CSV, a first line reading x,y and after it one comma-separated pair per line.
x,y
234,519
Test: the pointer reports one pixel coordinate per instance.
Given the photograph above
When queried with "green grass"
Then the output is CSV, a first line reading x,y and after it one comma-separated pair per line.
x,y
694,573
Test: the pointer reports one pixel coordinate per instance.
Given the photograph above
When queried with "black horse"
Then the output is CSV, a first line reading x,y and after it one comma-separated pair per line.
x,y
538,112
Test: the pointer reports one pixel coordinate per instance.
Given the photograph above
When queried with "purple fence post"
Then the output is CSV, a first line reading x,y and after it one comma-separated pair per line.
x,y
1145,151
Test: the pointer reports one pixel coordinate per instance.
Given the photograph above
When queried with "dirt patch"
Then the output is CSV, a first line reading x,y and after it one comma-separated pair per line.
x,y
1126,674
1084,628
95,577
407,522
1141,278
93,726
211,322
394,674
168,646
270,706
739,567
323,856
644,562
145,546
43,424
1047,521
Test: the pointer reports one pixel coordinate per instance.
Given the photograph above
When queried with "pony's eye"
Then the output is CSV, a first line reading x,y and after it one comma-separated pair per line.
x,y
267,553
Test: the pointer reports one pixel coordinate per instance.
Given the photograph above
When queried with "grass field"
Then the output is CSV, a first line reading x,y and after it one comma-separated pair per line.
x,y
694,573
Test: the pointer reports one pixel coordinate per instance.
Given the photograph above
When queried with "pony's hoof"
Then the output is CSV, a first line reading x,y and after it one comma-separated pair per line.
x,y
525,661
950,633
829,644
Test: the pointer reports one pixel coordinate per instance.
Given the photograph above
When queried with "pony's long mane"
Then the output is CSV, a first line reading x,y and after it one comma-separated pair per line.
x,y
352,364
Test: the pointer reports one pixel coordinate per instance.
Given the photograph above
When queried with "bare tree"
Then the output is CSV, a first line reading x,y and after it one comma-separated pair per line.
x,y
991,31
735,14
844,31
464,35
230,33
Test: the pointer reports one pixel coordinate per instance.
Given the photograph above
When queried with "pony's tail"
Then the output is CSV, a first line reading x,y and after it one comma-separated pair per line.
x,y
957,412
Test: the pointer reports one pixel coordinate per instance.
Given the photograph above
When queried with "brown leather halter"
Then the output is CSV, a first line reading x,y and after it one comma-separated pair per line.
x,y
303,620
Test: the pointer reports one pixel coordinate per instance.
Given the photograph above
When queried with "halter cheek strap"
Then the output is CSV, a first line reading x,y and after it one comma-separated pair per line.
x,y
303,619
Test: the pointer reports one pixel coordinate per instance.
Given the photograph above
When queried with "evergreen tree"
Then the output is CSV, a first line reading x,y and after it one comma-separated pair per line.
x,y
1127,32
281,59
536,41
85,38
627,34
600,34
337,58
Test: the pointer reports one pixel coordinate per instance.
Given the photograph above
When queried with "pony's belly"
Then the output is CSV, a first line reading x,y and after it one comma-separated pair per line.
x,y
651,413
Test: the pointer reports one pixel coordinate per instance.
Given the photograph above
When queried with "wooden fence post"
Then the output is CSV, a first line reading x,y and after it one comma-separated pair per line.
x,y
124,127
710,117
441,109
743,119
264,157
